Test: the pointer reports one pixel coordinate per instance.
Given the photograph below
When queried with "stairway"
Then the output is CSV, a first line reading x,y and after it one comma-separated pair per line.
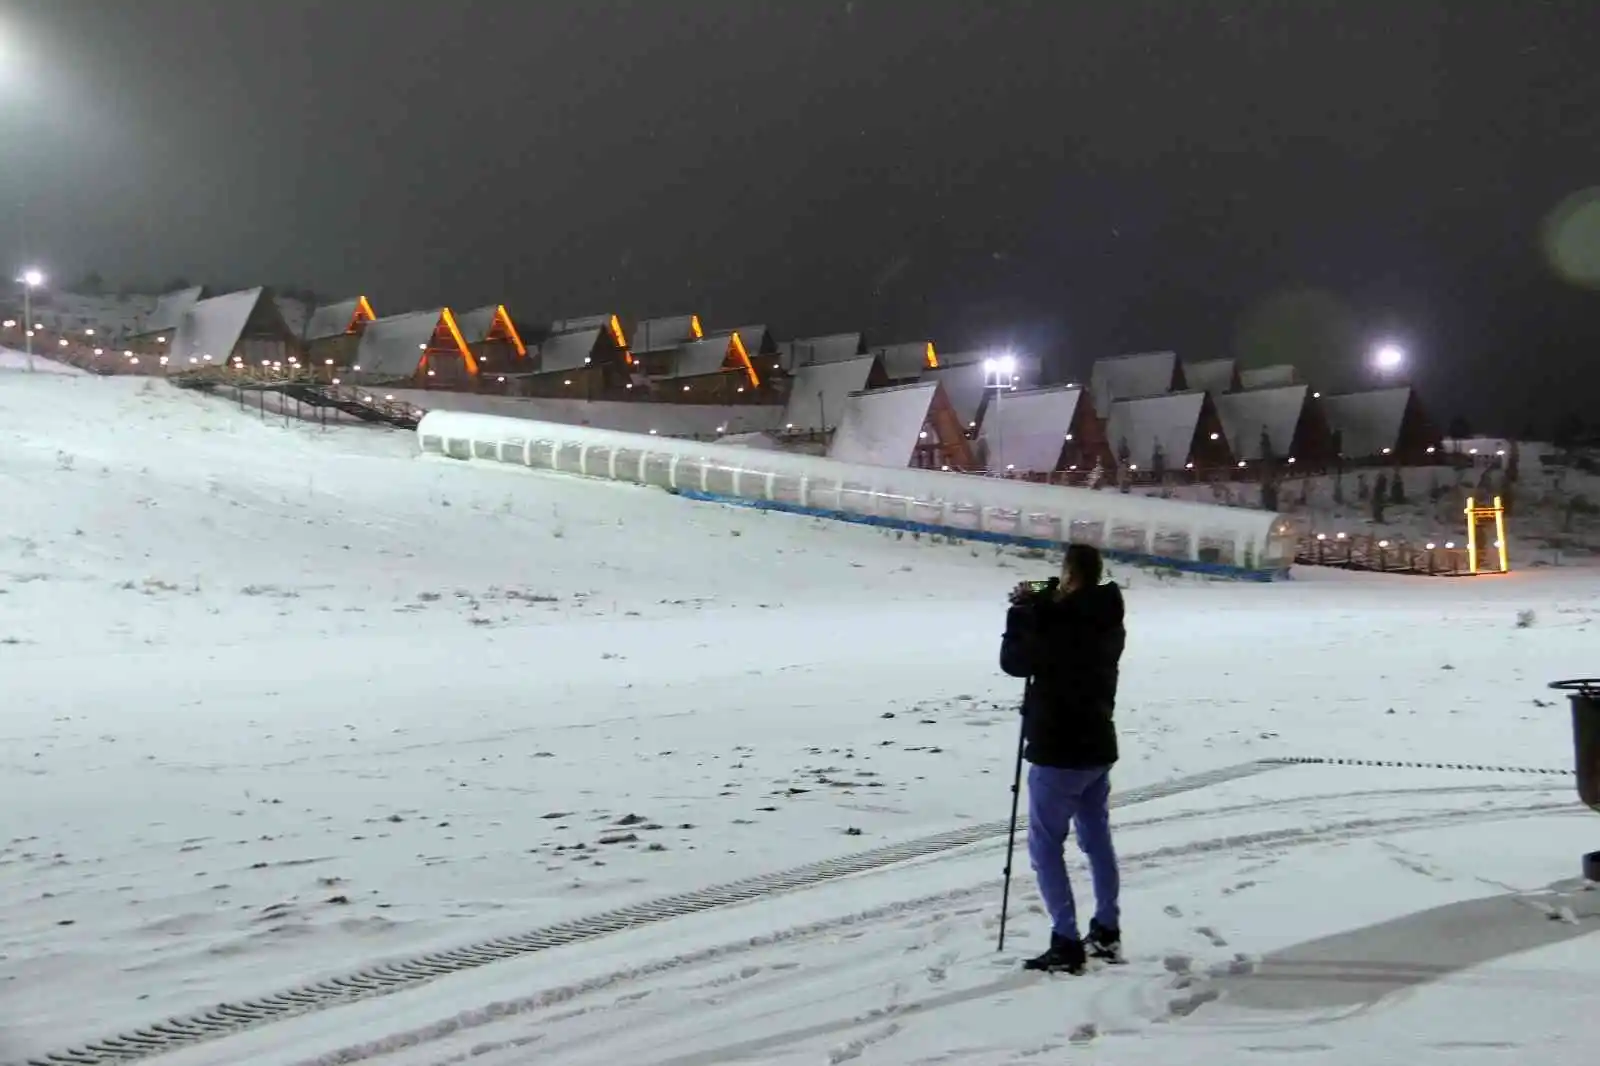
x,y
356,403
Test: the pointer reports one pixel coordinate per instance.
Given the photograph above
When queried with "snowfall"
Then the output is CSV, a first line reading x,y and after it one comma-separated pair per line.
x,y
284,701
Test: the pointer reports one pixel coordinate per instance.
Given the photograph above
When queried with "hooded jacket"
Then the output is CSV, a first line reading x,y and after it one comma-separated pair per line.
x,y
1071,649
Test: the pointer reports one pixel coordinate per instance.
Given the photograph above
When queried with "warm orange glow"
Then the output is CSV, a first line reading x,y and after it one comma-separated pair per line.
x,y
1476,514
502,318
616,335
694,327
736,348
933,359
447,322
363,315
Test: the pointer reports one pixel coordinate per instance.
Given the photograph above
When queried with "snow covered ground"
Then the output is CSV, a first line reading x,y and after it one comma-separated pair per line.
x,y
283,701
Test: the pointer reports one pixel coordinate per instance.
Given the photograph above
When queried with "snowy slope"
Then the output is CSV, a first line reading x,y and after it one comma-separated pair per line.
x,y
282,701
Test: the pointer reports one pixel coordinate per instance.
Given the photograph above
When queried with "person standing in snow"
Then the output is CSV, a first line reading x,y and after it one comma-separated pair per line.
x,y
1068,641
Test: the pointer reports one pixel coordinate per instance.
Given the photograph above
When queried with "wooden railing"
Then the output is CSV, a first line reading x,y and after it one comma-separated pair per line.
x,y
1383,555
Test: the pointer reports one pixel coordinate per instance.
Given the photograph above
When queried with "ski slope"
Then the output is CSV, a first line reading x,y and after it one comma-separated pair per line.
x,y
284,701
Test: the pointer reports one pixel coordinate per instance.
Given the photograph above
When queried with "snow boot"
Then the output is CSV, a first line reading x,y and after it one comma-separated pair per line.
x,y
1103,944
1066,955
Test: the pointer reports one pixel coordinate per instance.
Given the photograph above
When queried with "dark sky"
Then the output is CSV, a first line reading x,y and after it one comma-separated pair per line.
x,y
1076,177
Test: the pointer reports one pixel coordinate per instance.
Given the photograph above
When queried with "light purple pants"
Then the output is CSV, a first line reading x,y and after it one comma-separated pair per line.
x,y
1058,799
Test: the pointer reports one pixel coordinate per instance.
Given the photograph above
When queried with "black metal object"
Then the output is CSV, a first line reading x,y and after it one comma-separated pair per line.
x,y
1016,798
1584,695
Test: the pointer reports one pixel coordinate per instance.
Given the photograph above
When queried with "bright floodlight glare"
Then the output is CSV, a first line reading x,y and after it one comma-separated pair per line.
x,y
1389,357
32,278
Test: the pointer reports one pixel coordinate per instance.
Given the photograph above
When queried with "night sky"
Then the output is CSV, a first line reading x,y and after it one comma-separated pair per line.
x,y
1294,179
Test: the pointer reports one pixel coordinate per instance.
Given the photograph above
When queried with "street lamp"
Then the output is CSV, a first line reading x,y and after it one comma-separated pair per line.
x,y
999,374
31,279
1388,358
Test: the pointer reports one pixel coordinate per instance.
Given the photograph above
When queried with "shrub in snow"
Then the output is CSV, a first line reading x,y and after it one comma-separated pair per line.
x,y
1397,489
1363,490
1379,497
1525,619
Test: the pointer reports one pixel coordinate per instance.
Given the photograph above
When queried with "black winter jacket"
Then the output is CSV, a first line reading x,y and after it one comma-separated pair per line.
x,y
1071,648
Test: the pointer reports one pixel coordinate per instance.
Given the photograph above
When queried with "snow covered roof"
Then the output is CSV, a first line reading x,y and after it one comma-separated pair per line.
x,y
392,347
964,384
1245,414
573,325
756,339
170,309
664,334
907,360
1169,420
476,323
212,328
334,320
1026,430
1129,377
1268,377
1367,422
811,351
700,358
1210,375
817,394
882,427
569,351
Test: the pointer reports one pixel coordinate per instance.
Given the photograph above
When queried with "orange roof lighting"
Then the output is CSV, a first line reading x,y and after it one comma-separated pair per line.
x,y
616,335
447,319
363,314
503,318
736,346
694,327
933,359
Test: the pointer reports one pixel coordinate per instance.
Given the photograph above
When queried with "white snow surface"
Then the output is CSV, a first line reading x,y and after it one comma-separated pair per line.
x,y
283,701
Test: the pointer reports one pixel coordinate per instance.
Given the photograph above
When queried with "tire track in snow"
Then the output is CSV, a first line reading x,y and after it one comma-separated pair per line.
x,y
1282,840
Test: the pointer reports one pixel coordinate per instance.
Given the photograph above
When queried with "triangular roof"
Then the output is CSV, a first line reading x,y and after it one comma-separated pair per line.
x,y
1170,420
814,351
907,360
1367,422
569,351
882,427
482,323
337,319
1211,375
664,334
171,307
1277,410
964,384
1026,430
211,329
712,355
1268,377
757,339
818,392
394,346
1131,377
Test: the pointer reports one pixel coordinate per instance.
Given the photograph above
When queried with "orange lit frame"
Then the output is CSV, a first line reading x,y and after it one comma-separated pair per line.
x,y
694,327
622,341
933,358
363,314
502,319
1476,514
447,325
737,350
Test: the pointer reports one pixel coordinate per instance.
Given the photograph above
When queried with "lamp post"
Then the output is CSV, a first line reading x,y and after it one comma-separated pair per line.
x,y
1389,359
30,280
999,374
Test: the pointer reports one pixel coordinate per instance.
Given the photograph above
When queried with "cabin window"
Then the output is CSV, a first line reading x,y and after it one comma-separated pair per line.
x,y
540,454
1215,548
597,461
460,449
1171,544
433,444
657,470
1086,531
569,458
626,463
486,449
785,489
719,479
1126,538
